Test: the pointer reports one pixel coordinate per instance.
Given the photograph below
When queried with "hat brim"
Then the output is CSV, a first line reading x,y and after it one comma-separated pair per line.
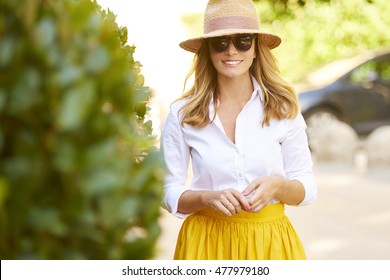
x,y
194,44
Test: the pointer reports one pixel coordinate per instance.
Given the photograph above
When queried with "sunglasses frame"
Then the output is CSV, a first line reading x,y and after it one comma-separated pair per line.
x,y
236,39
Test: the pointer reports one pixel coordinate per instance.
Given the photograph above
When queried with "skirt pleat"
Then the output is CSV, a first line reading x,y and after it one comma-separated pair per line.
x,y
266,235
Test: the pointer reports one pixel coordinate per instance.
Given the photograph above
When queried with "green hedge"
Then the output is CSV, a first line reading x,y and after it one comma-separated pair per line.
x,y
80,177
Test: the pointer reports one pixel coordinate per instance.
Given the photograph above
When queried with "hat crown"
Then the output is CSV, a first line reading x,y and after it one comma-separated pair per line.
x,y
228,14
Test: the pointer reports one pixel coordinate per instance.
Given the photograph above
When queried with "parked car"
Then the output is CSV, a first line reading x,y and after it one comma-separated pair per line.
x,y
355,91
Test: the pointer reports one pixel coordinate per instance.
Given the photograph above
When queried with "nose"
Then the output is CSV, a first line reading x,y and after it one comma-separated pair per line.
x,y
231,48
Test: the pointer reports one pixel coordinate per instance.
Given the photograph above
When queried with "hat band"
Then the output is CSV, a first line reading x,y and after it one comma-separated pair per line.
x,y
236,22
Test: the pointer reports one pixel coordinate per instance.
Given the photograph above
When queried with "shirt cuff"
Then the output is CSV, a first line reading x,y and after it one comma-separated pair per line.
x,y
310,189
171,200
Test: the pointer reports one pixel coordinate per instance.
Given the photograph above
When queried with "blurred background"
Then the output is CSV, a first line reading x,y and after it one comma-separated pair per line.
x,y
335,53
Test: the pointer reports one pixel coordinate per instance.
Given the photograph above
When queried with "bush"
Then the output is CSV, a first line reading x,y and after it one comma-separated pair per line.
x,y
80,177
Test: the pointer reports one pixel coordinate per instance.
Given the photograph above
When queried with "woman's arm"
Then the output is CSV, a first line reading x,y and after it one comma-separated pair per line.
x,y
228,201
176,155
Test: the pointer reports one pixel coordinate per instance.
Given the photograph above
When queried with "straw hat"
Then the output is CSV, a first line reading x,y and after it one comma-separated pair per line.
x,y
226,17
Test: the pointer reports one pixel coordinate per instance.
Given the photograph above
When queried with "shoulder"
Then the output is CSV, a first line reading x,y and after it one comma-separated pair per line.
x,y
287,128
176,106
290,123
296,122
294,126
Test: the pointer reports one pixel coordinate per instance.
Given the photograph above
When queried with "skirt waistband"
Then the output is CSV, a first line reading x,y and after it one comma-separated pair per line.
x,y
268,213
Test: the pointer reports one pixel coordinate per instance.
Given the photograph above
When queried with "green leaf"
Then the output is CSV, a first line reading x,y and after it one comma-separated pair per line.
x,y
101,182
47,220
65,157
96,60
45,32
100,152
69,74
76,105
118,210
7,48
25,93
123,35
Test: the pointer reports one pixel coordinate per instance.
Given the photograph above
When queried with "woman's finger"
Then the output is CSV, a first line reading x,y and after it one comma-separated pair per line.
x,y
230,207
252,186
258,207
234,202
221,207
243,201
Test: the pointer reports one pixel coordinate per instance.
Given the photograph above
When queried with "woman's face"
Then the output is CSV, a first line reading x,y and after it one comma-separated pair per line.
x,y
231,61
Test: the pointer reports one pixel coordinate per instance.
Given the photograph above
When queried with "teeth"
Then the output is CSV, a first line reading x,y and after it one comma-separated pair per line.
x,y
232,62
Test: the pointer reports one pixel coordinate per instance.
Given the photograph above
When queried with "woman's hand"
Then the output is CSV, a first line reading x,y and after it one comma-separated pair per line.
x,y
262,191
228,201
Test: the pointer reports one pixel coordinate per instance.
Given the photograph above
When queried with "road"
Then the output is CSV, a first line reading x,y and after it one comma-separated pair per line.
x,y
350,220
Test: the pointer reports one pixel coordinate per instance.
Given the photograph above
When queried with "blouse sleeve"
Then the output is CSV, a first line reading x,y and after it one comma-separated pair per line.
x,y
176,155
297,158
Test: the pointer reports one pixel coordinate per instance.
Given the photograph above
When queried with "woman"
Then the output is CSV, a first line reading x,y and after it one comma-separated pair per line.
x,y
241,128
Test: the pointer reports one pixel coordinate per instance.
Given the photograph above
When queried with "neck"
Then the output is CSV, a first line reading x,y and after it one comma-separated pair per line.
x,y
239,89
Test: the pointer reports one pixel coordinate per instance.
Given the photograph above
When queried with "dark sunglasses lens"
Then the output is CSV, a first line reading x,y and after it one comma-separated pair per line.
x,y
220,44
243,42
240,42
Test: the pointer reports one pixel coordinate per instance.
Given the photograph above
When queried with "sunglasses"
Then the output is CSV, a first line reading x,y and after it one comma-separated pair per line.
x,y
242,42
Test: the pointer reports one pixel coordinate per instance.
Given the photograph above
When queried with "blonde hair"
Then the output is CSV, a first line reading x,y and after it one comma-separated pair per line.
x,y
279,97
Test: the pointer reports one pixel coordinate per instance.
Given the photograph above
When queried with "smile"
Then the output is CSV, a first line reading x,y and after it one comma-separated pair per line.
x,y
232,62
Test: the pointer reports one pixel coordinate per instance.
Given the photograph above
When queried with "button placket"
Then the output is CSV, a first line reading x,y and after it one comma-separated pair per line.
x,y
239,165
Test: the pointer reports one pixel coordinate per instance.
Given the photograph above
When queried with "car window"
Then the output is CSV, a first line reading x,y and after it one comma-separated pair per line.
x,y
384,70
372,70
365,73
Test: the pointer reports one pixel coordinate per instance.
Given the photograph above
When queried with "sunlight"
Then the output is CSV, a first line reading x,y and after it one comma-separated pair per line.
x,y
156,30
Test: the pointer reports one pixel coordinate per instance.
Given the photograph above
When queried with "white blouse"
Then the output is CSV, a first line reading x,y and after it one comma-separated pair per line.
x,y
217,163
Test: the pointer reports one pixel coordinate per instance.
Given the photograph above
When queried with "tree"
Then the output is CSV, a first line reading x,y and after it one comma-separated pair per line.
x,y
80,177
323,31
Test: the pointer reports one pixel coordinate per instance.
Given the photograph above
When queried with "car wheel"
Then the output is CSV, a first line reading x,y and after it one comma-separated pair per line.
x,y
329,138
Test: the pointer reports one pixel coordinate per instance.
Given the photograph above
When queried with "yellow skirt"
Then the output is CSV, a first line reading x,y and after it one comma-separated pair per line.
x,y
266,235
